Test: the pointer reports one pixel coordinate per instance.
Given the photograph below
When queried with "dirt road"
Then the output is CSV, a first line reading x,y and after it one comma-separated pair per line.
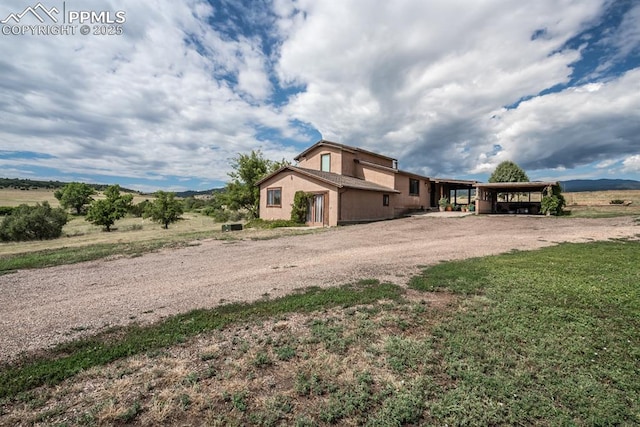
x,y
40,308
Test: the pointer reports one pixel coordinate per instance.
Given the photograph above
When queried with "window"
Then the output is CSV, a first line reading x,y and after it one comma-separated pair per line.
x,y
325,163
414,187
274,197
385,200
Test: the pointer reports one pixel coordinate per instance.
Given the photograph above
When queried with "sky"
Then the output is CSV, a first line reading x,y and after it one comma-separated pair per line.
x,y
448,87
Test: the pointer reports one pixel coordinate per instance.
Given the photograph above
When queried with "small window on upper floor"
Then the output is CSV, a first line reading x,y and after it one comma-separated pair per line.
x,y
414,187
325,162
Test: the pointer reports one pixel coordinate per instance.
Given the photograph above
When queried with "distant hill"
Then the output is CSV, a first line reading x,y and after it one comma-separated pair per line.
x,y
578,185
32,184
191,193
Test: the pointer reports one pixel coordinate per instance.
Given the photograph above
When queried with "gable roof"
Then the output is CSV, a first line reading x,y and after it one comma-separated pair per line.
x,y
348,148
339,181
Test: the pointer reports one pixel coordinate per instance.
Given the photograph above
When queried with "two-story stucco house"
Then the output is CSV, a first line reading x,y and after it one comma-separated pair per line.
x,y
349,185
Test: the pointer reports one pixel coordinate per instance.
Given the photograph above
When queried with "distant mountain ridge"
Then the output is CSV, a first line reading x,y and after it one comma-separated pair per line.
x,y
193,193
579,185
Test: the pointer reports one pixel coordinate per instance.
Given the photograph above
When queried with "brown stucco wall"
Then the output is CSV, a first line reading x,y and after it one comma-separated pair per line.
x,y
290,182
360,205
406,201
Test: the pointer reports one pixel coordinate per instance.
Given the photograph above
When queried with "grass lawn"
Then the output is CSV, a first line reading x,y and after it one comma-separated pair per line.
x,y
549,337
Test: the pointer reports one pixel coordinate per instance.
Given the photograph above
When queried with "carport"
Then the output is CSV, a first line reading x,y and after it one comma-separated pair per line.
x,y
512,197
458,191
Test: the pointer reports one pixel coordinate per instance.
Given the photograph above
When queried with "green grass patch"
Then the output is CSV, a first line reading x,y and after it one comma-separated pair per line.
x,y
69,359
550,336
275,223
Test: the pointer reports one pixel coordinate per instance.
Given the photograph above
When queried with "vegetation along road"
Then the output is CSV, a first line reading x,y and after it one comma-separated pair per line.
x,y
43,307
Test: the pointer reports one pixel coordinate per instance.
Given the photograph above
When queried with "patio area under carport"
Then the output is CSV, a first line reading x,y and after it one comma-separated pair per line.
x,y
459,192
512,197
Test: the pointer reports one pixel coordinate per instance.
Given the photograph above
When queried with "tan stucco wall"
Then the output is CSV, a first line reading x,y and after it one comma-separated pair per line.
x,y
406,201
374,159
375,175
360,205
290,182
313,159
483,207
342,161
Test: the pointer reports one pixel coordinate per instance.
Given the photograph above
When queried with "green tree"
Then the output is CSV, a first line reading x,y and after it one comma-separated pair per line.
x,y
75,195
37,222
508,171
300,206
106,212
242,192
164,209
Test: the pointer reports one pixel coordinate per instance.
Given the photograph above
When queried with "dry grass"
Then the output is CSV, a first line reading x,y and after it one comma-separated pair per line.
x,y
78,232
592,198
598,203
281,371
14,197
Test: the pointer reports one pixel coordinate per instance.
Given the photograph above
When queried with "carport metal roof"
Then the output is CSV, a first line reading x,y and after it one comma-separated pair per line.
x,y
516,186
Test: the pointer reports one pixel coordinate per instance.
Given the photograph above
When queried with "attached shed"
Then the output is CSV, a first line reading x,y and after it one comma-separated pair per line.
x,y
511,197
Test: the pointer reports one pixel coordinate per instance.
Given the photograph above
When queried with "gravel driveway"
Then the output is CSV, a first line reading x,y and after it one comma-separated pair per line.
x,y
43,307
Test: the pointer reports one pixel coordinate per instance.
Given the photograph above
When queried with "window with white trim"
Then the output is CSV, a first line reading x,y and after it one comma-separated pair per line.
x,y
325,162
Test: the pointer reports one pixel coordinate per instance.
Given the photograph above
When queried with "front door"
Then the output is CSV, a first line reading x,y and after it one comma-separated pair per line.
x,y
316,210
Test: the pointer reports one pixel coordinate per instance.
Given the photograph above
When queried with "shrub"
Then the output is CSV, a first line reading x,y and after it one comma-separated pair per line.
x,y
553,201
37,222
276,223
138,209
6,210
617,202
219,215
300,207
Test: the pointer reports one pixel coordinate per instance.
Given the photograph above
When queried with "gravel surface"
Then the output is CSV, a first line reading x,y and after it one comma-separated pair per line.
x,y
43,307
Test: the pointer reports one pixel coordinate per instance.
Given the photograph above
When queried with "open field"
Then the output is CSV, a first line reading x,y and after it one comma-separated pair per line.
x,y
15,197
589,198
548,337
79,233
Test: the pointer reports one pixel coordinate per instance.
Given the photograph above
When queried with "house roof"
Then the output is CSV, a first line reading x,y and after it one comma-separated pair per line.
x,y
348,148
510,186
340,181
454,181
376,166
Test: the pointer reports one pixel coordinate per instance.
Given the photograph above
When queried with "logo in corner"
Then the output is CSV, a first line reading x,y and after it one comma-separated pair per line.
x,y
38,11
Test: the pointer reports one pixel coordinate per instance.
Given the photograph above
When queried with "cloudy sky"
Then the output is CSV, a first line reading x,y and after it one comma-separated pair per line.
x,y
449,87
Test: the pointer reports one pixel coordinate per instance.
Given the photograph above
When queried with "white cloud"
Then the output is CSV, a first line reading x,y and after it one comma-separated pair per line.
x,y
421,79
150,103
181,92
573,127
631,164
